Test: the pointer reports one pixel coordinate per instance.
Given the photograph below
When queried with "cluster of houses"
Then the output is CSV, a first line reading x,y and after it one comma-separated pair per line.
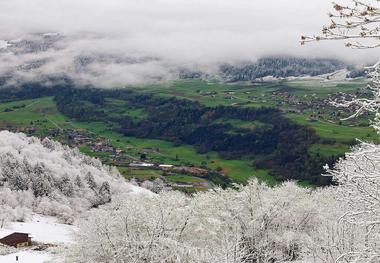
x,y
318,107
192,170
120,158
101,146
227,94
78,138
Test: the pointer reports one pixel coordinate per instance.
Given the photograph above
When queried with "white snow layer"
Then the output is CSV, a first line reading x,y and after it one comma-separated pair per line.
x,y
26,257
43,229
3,44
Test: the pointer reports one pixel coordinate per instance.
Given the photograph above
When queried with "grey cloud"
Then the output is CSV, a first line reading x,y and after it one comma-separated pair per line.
x,y
148,40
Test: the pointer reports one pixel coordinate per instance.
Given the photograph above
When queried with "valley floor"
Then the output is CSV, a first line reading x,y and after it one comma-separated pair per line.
x,y
304,101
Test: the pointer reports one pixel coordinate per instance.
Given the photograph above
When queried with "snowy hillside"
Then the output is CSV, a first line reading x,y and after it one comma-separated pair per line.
x,y
44,187
51,179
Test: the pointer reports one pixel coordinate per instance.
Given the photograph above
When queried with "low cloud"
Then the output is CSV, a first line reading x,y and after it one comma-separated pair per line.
x,y
118,42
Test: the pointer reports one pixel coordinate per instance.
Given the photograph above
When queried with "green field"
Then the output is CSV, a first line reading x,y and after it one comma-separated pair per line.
x,y
341,133
144,174
329,150
197,90
40,114
178,178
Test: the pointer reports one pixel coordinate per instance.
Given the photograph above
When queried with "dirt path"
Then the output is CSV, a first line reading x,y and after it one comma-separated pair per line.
x,y
239,98
27,106
54,123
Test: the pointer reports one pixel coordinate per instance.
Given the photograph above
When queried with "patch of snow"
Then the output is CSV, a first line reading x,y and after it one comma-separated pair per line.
x,y
3,44
5,232
51,34
336,76
26,257
307,77
267,79
44,229
17,40
339,75
139,190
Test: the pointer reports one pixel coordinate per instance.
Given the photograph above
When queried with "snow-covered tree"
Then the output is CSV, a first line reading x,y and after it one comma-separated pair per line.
x,y
358,176
78,181
105,193
42,181
253,223
66,186
354,21
90,181
18,181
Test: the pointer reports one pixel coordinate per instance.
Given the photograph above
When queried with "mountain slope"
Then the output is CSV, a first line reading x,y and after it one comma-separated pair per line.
x,y
281,67
49,178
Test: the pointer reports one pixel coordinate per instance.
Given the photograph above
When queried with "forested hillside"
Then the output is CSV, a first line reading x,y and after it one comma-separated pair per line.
x,y
278,144
281,67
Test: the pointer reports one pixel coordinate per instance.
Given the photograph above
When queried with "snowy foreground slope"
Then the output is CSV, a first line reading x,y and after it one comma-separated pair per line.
x,y
44,188
44,230
26,257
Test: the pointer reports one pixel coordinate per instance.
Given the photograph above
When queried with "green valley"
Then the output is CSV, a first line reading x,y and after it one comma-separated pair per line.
x,y
303,102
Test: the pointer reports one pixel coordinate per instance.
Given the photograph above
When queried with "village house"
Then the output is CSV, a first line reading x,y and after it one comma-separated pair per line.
x,y
165,166
16,239
141,165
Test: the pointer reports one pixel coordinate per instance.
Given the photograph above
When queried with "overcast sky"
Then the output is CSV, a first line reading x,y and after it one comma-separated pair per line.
x,y
181,32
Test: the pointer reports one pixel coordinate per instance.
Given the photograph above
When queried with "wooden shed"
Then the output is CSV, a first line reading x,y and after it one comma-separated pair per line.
x,y
17,240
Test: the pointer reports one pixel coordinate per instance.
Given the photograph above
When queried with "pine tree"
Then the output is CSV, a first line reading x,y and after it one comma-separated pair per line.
x,y
78,181
105,192
41,181
90,181
66,186
19,182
